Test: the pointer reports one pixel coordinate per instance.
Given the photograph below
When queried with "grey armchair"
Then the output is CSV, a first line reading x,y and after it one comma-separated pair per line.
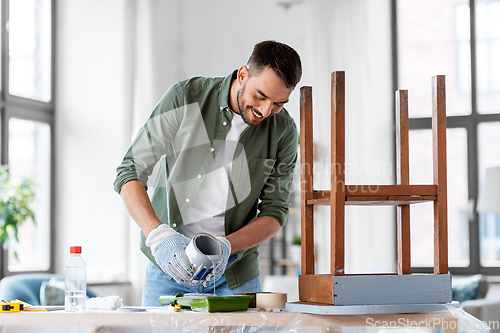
x,y
26,287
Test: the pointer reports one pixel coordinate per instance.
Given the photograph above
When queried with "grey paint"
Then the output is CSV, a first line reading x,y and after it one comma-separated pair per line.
x,y
368,309
392,289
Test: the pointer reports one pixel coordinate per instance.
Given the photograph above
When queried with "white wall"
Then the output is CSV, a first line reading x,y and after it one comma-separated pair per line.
x,y
91,127
354,36
108,80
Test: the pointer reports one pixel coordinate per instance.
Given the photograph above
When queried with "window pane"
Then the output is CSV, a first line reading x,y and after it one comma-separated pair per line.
x,y
489,151
30,49
488,56
489,223
434,39
422,215
29,156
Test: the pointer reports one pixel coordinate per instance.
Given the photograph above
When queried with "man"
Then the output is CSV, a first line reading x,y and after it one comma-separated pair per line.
x,y
227,151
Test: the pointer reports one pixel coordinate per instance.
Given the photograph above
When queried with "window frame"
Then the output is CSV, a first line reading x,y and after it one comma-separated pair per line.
x,y
23,108
470,123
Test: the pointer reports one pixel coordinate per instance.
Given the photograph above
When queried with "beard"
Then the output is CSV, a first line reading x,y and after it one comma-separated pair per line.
x,y
246,110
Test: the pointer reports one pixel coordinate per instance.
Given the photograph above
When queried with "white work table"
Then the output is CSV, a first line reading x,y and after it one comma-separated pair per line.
x,y
164,320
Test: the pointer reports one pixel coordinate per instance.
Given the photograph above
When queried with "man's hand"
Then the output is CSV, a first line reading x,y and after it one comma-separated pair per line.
x,y
167,247
220,266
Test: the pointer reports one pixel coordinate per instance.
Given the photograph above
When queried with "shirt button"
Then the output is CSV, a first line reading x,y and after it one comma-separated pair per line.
x,y
199,176
224,123
174,225
212,150
187,200
221,108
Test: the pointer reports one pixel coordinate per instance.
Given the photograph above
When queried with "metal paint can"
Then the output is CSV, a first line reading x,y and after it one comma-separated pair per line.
x,y
204,251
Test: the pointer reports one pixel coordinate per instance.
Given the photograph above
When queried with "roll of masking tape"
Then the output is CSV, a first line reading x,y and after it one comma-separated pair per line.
x,y
270,300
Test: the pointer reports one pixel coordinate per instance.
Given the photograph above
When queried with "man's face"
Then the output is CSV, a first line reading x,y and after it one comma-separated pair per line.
x,y
260,96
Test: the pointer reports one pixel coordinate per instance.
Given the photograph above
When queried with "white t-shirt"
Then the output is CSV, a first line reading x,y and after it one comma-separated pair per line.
x,y
207,210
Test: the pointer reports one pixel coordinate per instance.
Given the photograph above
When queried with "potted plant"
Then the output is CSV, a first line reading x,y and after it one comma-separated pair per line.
x,y
297,239
295,248
14,210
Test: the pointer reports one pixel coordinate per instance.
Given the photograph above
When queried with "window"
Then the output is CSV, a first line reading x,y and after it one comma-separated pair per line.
x,y
27,123
461,40
30,49
422,215
488,53
489,222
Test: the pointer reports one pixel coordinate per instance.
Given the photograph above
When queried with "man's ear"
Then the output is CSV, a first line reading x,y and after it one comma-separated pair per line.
x,y
242,74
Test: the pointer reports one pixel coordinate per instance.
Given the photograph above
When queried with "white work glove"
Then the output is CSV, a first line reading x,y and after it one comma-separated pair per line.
x,y
168,248
220,266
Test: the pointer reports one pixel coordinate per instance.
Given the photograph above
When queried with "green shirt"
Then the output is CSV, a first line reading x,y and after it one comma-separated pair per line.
x,y
184,133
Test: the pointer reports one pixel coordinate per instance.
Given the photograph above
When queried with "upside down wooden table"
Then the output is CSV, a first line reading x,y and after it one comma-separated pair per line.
x,y
403,287
163,320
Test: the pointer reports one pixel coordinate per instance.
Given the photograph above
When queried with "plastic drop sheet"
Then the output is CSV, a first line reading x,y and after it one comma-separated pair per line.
x,y
162,319
451,320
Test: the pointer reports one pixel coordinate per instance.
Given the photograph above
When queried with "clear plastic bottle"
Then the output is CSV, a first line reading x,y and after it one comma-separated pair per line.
x,y
75,282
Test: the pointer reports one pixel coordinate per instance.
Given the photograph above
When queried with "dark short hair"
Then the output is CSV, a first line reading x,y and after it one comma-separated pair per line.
x,y
281,58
